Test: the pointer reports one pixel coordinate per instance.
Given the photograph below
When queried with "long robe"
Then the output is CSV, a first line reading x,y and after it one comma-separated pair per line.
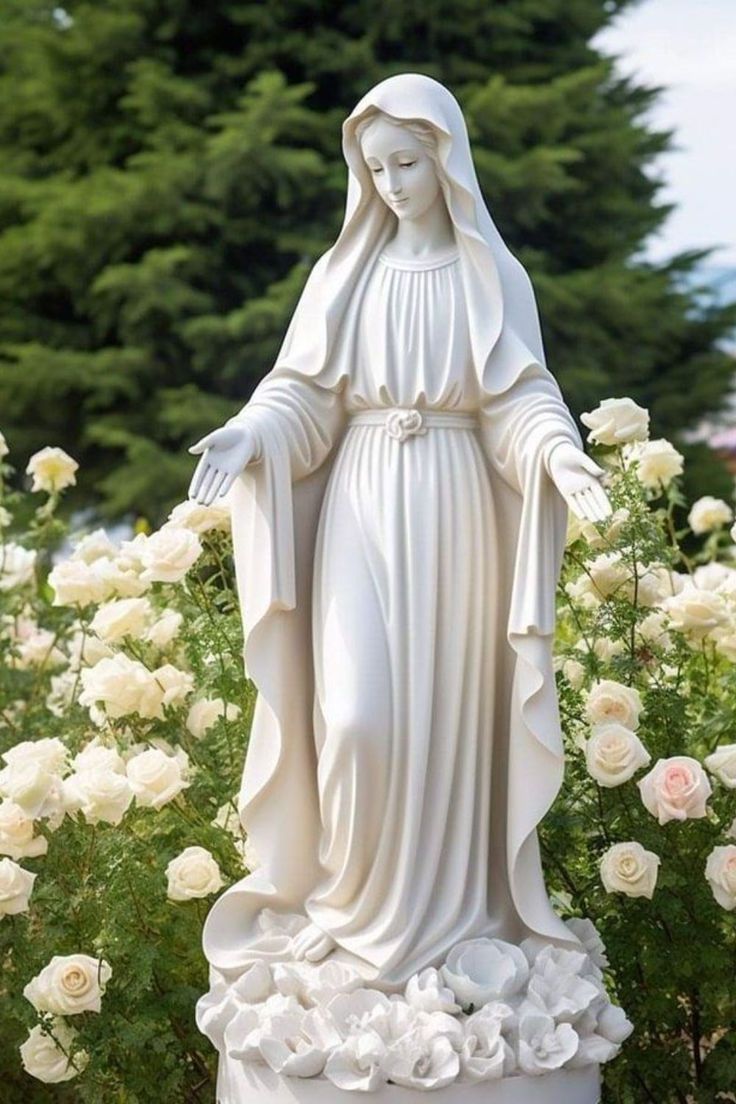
x,y
415,579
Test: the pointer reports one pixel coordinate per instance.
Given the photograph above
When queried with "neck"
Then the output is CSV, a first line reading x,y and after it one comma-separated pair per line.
x,y
431,233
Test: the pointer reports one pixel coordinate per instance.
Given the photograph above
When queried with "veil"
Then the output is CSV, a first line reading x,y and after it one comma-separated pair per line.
x,y
502,311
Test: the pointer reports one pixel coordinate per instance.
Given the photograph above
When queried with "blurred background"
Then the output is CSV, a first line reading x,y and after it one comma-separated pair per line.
x,y
170,170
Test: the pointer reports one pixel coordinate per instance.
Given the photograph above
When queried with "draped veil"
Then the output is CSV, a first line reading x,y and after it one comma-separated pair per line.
x,y
275,506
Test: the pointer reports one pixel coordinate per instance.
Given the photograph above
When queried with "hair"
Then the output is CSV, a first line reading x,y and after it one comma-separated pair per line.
x,y
421,130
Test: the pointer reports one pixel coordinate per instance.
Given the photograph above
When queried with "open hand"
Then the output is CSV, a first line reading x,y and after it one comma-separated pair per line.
x,y
227,451
577,477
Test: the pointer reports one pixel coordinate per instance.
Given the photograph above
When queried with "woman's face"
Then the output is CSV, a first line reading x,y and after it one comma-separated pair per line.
x,y
403,172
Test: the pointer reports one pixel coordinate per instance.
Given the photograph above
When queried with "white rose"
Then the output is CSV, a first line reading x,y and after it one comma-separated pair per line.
x,y
94,546
121,617
613,754
175,684
676,788
97,755
48,1056
49,752
164,628
610,575
204,713
616,421
168,554
16,833
30,785
653,629
696,612
658,462
583,592
16,885
628,868
17,565
199,518
156,777
720,870
544,1045
4,450
52,470
574,672
85,650
709,513
121,686
101,794
120,582
612,702
722,763
75,582
70,984
482,970
193,873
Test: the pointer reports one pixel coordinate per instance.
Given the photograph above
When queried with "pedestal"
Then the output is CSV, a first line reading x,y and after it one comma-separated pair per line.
x,y
247,1083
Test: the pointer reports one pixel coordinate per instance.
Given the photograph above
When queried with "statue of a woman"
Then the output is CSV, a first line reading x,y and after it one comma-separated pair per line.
x,y
399,485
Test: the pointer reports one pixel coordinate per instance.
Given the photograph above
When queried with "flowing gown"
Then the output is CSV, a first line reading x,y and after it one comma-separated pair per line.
x,y
405,634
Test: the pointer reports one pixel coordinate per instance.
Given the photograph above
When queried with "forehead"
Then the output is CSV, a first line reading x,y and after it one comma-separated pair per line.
x,y
383,138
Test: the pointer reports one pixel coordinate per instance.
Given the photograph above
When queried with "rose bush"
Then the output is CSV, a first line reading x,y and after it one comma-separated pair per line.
x,y
124,718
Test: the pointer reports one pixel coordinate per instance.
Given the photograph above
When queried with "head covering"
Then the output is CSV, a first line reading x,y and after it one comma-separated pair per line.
x,y
502,312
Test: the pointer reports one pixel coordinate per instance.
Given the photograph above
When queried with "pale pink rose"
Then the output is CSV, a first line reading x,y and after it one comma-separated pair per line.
x,y
675,789
720,870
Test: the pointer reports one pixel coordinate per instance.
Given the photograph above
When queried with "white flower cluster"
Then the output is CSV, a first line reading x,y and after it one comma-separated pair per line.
x,y
493,1010
67,986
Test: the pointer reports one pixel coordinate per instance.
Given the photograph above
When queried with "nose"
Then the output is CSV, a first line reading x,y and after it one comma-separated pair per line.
x,y
394,183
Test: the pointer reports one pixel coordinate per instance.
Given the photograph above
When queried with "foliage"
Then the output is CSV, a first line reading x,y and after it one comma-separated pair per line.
x,y
171,172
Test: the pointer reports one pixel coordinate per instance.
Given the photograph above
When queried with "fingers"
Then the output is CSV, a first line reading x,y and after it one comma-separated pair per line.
x,y
218,486
199,473
210,479
602,499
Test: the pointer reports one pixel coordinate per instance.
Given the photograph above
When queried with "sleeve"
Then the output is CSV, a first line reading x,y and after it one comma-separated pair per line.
x,y
522,426
294,416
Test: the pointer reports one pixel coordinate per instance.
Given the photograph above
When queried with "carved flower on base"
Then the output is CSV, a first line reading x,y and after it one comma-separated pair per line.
x,y
544,1045
482,970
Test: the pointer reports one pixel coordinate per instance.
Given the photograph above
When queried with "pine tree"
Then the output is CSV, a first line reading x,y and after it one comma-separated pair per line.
x,y
170,171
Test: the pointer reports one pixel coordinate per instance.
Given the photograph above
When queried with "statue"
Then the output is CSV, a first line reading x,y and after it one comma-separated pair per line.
x,y
399,484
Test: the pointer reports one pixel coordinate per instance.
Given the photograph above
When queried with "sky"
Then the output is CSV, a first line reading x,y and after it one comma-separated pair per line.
x,y
688,46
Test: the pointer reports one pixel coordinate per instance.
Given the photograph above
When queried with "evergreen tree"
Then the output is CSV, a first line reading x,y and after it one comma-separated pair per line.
x,y
169,171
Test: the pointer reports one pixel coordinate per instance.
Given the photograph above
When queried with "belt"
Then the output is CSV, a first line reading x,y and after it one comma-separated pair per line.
x,y
401,422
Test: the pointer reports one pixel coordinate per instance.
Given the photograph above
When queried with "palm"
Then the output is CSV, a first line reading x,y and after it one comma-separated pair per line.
x,y
577,478
227,451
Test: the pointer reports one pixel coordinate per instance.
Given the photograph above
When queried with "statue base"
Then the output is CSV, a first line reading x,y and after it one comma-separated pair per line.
x,y
247,1083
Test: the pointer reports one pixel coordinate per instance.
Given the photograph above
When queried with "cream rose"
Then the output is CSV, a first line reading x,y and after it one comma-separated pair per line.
x,y
628,868
613,754
193,873
720,870
675,789
16,885
616,421
175,685
75,582
610,575
156,777
168,554
121,686
16,833
696,612
722,763
164,628
4,450
574,672
70,984
610,702
17,565
205,712
709,513
199,518
120,618
658,462
46,1056
101,794
94,546
52,470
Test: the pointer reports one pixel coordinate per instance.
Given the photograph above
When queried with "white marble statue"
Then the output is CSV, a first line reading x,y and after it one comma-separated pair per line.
x,y
399,485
